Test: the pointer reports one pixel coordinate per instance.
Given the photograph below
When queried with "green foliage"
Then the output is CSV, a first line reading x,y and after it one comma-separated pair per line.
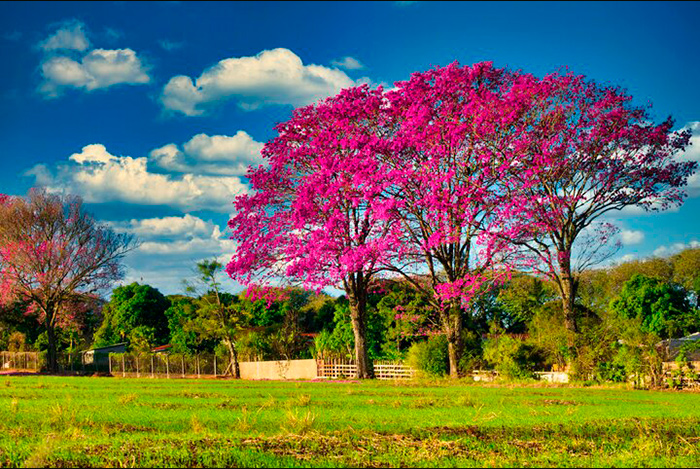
x,y
520,299
686,271
181,311
513,358
662,307
430,356
135,314
407,315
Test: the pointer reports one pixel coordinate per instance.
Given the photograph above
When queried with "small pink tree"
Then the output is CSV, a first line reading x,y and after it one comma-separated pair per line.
x,y
455,129
316,217
591,152
54,257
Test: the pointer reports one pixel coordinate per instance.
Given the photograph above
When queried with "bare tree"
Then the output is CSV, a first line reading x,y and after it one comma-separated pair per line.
x,y
55,257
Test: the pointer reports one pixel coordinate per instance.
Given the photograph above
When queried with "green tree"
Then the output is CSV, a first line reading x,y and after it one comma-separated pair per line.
x,y
686,272
182,310
219,315
136,315
662,307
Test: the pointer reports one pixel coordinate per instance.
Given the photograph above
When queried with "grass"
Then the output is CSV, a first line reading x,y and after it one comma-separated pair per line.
x,y
76,422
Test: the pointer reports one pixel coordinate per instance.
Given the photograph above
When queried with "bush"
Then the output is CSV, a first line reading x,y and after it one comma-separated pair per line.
x,y
431,356
512,358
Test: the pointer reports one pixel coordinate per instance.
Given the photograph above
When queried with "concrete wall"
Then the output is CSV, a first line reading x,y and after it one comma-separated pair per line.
x,y
553,376
294,369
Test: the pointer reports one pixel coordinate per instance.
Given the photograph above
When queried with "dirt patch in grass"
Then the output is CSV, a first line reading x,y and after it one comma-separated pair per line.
x,y
367,450
559,402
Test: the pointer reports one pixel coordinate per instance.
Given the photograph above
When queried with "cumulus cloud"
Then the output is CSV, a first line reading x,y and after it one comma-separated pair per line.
x,y
69,36
68,64
626,258
204,154
348,63
98,176
171,248
663,251
692,153
275,76
187,226
630,237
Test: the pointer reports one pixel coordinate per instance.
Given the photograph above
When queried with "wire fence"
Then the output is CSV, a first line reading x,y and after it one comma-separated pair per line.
x,y
165,365
20,361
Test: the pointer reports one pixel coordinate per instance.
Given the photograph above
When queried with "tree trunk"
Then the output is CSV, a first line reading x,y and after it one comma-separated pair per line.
x,y
51,356
233,367
358,316
567,287
452,323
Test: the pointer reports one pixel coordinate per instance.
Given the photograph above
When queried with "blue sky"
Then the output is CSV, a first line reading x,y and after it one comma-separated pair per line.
x,y
152,111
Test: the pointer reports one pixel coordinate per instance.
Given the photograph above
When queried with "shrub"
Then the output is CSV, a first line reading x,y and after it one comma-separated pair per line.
x,y
512,358
430,356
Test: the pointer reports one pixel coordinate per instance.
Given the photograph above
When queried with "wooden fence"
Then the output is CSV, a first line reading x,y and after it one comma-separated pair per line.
x,y
335,369
19,361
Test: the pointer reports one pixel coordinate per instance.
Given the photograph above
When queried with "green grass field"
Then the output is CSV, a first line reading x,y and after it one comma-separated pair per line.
x,y
71,421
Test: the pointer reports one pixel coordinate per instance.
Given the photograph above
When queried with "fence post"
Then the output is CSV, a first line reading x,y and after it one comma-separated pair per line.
x,y
109,357
182,360
138,373
196,357
167,366
152,365
215,365
123,366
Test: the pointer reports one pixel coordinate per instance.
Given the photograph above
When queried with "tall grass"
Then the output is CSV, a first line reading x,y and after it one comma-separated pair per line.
x,y
56,421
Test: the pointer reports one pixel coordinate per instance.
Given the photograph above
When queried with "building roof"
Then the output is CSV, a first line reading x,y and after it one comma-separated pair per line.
x,y
108,347
672,347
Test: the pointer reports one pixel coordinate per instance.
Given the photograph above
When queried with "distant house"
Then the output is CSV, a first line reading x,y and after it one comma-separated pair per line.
x,y
99,356
671,348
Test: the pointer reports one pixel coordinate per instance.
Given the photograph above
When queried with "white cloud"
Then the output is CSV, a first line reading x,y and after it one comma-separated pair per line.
x,y
630,237
99,176
98,69
348,63
626,258
692,153
171,248
70,36
275,76
187,226
664,251
63,68
217,154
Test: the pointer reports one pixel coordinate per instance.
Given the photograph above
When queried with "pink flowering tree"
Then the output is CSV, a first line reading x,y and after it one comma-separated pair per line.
x,y
315,217
55,258
455,201
591,152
